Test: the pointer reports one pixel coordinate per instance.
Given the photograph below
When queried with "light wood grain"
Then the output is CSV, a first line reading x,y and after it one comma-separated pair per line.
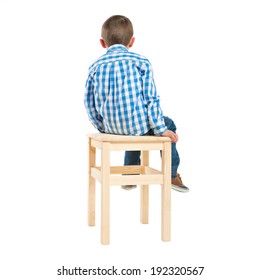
x,y
142,175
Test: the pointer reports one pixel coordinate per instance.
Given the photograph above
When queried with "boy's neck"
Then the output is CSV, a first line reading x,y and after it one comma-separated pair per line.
x,y
129,45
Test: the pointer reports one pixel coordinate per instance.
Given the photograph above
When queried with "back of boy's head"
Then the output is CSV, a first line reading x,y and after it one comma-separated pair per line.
x,y
117,30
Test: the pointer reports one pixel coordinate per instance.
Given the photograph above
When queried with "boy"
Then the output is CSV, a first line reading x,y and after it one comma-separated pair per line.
x,y
121,96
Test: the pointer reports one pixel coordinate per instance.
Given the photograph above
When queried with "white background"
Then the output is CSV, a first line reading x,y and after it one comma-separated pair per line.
x,y
206,61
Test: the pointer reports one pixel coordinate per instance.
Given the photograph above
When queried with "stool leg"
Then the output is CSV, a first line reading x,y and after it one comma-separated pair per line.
x,y
92,186
105,193
144,192
166,193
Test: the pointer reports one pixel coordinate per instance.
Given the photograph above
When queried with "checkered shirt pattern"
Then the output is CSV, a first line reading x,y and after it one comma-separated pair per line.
x,y
120,95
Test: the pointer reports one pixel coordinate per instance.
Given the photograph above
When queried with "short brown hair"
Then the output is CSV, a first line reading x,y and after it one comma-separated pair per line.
x,y
117,30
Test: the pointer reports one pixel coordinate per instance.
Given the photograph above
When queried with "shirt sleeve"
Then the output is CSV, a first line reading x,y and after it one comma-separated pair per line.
x,y
152,100
89,102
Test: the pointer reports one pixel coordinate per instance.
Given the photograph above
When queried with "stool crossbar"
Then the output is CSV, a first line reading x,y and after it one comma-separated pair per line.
x,y
144,176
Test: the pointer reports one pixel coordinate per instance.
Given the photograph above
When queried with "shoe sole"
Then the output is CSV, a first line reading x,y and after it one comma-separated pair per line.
x,y
128,188
180,189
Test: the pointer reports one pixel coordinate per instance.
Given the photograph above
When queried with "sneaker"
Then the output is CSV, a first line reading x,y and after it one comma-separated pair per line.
x,y
177,184
128,187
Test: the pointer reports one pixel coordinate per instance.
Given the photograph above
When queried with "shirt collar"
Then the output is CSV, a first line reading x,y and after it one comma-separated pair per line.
x,y
117,48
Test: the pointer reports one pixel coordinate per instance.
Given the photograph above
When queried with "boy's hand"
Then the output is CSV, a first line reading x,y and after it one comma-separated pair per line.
x,y
168,133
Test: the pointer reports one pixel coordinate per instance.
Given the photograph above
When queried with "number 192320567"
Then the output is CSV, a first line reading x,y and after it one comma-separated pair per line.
x,y
178,270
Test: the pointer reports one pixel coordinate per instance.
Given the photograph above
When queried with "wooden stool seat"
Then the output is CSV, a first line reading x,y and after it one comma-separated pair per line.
x,y
144,176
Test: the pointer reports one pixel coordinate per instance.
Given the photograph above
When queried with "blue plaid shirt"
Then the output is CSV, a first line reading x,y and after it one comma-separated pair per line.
x,y
121,96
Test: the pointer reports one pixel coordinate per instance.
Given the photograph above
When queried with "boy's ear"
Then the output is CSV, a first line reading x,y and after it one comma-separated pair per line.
x,y
103,44
131,42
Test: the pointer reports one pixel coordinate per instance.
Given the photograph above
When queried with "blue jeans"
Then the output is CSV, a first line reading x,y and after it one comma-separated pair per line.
x,y
133,157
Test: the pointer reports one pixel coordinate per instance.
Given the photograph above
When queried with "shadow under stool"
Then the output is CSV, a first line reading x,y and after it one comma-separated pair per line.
x,y
122,175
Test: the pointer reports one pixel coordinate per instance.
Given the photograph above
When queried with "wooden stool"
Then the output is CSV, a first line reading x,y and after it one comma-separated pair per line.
x,y
112,175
